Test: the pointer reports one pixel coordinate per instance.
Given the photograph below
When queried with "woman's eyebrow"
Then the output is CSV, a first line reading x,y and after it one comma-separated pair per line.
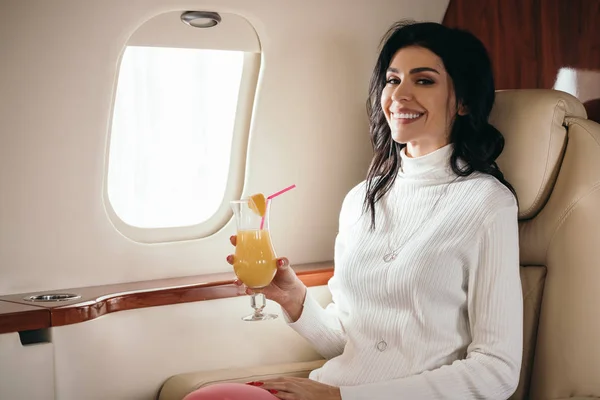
x,y
414,70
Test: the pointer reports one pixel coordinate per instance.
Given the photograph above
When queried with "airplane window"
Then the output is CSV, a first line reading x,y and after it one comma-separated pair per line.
x,y
583,84
171,137
179,126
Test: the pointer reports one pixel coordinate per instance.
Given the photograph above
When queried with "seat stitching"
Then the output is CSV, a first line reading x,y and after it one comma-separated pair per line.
x,y
570,208
572,122
541,189
533,286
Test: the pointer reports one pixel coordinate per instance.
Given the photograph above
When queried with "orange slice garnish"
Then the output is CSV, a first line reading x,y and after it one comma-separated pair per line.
x,y
258,204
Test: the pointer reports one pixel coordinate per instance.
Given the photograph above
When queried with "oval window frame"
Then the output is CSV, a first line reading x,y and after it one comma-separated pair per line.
x,y
167,30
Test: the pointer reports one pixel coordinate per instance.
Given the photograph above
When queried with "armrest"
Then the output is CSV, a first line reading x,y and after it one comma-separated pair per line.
x,y
178,386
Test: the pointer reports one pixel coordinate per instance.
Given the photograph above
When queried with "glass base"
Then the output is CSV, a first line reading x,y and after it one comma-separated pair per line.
x,y
259,317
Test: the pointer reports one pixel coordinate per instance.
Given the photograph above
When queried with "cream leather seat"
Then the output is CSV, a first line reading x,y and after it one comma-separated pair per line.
x,y
552,157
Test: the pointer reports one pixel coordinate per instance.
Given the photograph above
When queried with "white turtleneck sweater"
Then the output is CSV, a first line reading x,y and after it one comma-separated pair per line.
x,y
444,319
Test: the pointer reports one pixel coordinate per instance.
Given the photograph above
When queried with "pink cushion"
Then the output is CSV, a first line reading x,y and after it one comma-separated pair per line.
x,y
230,391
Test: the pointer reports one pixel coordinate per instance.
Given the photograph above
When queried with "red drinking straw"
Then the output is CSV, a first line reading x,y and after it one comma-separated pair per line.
x,y
262,221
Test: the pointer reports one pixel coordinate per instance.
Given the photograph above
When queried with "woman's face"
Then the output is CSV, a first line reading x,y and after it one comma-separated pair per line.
x,y
418,100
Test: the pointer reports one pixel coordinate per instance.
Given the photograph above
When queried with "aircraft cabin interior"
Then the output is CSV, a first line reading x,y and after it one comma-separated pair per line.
x,y
138,137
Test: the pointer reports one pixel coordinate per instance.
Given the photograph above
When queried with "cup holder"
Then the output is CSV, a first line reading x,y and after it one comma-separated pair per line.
x,y
52,297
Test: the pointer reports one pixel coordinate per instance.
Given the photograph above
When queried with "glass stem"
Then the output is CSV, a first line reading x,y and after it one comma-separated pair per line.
x,y
258,305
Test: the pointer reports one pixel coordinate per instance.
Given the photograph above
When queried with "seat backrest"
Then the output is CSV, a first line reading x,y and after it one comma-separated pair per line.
x,y
552,158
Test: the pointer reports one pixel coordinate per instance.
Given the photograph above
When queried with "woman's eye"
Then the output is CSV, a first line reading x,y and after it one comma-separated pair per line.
x,y
425,81
392,81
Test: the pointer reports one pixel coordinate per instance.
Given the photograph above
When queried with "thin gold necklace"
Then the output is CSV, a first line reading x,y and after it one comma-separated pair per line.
x,y
392,254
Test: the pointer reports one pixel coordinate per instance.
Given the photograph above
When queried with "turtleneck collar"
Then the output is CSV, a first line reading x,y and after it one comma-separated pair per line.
x,y
431,166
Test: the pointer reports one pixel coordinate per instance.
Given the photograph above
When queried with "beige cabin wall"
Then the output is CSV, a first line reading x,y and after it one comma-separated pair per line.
x,y
57,75
59,65
26,372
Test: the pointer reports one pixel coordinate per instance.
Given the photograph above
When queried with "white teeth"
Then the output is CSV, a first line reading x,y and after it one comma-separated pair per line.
x,y
405,116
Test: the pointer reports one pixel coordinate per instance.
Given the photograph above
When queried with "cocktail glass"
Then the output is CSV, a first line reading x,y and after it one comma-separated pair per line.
x,y
255,262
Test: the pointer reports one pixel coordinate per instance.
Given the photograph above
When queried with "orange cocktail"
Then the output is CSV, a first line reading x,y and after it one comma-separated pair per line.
x,y
255,263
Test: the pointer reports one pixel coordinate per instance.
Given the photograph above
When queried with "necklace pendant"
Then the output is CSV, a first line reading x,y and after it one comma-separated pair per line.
x,y
389,257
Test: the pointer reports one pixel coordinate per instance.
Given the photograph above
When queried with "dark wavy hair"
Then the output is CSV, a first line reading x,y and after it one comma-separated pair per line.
x,y
474,139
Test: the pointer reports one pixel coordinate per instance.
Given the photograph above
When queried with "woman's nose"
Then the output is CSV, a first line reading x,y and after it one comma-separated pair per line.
x,y
402,92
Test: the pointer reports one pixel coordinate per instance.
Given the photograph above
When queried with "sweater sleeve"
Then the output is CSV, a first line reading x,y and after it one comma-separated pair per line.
x,y
491,367
322,327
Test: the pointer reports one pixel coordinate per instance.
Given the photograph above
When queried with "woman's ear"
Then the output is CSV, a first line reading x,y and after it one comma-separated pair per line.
x,y
463,110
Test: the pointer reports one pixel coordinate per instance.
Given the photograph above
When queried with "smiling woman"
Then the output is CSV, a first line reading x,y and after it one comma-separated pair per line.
x,y
442,78
426,293
417,87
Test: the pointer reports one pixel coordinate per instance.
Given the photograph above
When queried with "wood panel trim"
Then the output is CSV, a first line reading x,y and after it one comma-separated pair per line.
x,y
530,41
19,317
96,301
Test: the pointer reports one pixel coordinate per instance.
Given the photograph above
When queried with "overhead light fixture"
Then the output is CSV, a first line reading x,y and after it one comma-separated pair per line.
x,y
201,19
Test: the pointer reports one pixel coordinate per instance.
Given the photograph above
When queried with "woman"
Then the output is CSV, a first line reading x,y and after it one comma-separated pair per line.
x,y
427,300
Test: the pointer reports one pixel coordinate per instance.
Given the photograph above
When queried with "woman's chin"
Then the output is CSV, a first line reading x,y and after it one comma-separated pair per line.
x,y
401,137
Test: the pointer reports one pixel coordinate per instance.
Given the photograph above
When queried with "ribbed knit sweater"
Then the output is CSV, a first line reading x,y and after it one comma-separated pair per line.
x,y
443,320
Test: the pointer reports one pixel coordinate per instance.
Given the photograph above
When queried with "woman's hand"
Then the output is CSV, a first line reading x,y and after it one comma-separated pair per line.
x,y
299,389
285,288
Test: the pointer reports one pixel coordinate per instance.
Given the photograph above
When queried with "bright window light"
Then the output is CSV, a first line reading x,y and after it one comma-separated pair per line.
x,y
171,136
581,83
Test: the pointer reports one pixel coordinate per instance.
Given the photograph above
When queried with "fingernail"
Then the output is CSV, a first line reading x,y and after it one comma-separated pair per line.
x,y
250,383
281,263
273,391
229,258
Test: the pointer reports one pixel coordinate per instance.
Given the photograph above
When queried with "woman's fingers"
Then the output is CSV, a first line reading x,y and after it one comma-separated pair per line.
x,y
283,263
237,282
230,259
233,239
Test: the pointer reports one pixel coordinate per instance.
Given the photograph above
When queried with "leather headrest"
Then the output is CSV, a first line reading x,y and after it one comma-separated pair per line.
x,y
532,122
